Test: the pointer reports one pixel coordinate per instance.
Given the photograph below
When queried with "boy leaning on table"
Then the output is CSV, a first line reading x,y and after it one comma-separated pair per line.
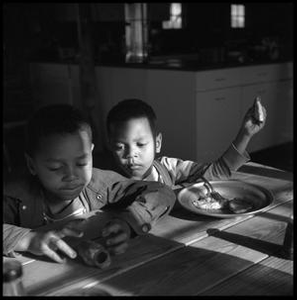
x,y
134,140
62,184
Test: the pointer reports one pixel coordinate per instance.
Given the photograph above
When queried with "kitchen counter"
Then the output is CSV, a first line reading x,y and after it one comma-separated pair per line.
x,y
173,63
184,97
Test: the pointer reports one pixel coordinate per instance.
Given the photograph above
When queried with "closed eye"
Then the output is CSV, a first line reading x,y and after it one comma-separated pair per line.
x,y
55,169
118,147
82,164
141,144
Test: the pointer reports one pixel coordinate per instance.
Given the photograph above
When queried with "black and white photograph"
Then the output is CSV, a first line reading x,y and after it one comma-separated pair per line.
x,y
148,149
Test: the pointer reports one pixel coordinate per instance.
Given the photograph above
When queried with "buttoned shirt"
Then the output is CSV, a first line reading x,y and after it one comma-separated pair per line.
x,y
141,204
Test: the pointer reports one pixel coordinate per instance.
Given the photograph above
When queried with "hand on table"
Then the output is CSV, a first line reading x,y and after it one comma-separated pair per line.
x,y
47,243
116,233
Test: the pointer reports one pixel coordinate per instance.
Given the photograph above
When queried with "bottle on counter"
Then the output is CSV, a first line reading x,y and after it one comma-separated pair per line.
x,y
12,279
94,254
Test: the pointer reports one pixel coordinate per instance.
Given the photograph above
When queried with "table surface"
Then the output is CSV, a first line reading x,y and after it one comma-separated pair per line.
x,y
187,254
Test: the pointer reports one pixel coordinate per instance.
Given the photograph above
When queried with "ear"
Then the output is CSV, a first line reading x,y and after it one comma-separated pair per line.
x,y
30,164
158,142
92,147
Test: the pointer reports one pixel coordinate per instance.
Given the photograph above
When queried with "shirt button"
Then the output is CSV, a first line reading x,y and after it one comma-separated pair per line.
x,y
146,228
24,207
99,197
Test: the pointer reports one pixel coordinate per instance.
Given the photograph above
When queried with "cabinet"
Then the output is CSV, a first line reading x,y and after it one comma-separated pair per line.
x,y
218,120
171,94
273,83
268,92
199,113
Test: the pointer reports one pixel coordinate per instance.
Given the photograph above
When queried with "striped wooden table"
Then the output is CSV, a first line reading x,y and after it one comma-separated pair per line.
x,y
188,254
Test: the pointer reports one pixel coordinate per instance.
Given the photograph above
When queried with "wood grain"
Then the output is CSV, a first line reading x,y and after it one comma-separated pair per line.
x,y
206,263
185,253
45,277
271,277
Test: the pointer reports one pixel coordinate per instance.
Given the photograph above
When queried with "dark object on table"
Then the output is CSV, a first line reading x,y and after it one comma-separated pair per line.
x,y
94,254
12,279
287,250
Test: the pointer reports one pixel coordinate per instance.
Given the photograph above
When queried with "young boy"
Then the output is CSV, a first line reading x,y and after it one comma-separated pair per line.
x,y
135,140
63,184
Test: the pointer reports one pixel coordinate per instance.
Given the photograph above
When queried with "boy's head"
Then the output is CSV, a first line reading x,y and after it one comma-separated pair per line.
x,y
133,136
59,150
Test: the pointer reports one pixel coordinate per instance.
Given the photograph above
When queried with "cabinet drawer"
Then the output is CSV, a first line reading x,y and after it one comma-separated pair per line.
x,y
266,73
217,79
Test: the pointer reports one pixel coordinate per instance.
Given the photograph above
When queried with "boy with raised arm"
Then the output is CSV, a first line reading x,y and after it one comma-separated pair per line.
x,y
135,141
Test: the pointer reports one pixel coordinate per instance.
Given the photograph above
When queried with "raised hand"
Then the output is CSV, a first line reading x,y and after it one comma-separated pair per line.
x,y
255,118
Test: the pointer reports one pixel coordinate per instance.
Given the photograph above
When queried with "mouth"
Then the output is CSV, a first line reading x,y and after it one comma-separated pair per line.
x,y
134,167
71,188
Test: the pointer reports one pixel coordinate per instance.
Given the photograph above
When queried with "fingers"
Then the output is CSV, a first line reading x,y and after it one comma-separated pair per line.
x,y
118,249
49,252
117,233
55,244
73,228
258,111
111,227
70,232
117,238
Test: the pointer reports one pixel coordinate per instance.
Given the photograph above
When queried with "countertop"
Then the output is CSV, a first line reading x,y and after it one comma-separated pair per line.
x,y
182,64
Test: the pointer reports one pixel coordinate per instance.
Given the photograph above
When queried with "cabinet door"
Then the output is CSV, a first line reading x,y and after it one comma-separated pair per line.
x,y
270,134
171,94
218,121
284,108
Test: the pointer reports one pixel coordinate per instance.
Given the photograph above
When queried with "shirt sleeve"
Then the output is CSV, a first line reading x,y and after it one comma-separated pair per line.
x,y
11,232
11,236
140,203
186,171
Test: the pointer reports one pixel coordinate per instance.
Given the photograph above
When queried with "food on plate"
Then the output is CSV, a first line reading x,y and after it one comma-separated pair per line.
x,y
239,206
235,205
209,202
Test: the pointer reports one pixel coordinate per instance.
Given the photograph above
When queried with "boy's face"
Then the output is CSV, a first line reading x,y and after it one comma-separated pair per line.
x,y
63,164
134,147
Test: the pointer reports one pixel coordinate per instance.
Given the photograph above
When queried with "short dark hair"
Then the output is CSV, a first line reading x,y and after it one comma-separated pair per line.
x,y
128,109
54,119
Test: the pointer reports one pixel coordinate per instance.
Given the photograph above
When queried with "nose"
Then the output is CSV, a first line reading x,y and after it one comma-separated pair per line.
x,y
69,173
130,160
131,153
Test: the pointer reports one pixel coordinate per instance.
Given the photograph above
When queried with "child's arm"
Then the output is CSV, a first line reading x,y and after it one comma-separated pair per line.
x,y
140,204
253,122
235,156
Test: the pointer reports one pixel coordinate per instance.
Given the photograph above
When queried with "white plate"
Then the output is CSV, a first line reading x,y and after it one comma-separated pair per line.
x,y
258,196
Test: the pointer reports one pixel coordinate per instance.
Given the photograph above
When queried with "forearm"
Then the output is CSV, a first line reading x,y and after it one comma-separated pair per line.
x,y
141,204
15,239
241,141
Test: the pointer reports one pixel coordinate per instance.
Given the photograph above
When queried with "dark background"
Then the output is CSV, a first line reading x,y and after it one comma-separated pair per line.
x,y
49,32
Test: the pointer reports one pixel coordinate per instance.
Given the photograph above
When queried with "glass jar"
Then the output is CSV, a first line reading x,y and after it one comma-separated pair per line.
x,y
12,279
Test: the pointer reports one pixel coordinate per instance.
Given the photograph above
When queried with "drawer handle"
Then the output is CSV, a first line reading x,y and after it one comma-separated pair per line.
x,y
220,98
220,79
